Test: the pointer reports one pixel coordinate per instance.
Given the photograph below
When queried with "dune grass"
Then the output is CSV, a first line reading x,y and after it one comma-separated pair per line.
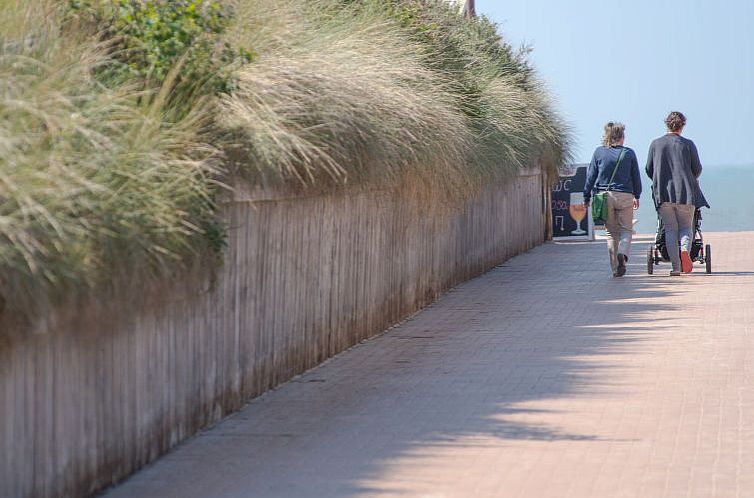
x,y
112,151
346,90
348,99
91,178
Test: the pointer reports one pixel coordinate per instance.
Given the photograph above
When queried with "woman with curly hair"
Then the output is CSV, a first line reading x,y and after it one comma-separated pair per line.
x,y
674,167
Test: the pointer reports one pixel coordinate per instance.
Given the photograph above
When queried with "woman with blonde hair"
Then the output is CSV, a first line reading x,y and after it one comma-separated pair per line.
x,y
615,169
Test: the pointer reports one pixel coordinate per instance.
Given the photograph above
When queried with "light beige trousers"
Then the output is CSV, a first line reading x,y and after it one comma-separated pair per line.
x,y
619,225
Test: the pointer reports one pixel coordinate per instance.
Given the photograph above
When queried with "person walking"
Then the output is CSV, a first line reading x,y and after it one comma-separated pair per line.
x,y
615,169
674,167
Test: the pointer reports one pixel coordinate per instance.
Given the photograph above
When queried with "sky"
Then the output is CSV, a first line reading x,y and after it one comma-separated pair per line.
x,y
635,61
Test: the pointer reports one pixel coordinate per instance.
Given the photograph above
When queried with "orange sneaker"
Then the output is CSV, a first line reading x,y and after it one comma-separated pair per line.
x,y
686,265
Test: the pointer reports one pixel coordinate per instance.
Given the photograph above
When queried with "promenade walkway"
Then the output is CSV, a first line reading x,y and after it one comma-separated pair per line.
x,y
543,378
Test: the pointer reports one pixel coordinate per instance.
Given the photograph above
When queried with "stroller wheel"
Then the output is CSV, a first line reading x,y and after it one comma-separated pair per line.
x,y
650,260
708,258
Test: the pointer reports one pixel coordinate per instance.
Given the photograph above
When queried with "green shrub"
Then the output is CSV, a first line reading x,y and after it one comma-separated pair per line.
x,y
154,41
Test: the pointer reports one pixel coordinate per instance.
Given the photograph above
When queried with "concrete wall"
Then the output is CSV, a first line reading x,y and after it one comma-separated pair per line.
x,y
103,389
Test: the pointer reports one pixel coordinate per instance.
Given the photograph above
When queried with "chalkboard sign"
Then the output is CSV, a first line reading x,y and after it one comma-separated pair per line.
x,y
570,219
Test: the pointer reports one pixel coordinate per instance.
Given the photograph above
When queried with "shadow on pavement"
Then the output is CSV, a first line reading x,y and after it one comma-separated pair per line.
x,y
541,327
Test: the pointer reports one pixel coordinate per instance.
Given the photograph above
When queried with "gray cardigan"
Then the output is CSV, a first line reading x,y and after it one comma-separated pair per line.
x,y
673,165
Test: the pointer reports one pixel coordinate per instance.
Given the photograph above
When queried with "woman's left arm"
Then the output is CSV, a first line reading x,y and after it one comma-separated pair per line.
x,y
635,175
696,164
635,178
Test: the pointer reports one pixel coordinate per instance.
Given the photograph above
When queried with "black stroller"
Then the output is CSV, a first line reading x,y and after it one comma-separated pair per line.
x,y
700,253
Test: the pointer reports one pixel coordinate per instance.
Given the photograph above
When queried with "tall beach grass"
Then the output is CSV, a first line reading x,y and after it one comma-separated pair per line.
x,y
112,176
347,99
92,179
361,91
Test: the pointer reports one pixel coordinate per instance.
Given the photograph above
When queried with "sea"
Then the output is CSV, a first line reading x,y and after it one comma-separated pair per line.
x,y
729,191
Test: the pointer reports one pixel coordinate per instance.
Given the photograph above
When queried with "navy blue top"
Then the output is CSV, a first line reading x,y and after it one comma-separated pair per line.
x,y
673,165
627,178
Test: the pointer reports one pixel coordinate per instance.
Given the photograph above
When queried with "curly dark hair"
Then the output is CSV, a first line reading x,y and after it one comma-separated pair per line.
x,y
675,121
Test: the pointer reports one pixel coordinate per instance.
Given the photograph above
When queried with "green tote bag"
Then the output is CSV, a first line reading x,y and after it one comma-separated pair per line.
x,y
599,200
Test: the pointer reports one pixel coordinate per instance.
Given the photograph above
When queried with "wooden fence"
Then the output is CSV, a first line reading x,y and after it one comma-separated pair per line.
x,y
101,390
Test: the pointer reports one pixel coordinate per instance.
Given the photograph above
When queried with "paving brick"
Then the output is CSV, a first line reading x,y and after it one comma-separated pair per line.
x,y
543,378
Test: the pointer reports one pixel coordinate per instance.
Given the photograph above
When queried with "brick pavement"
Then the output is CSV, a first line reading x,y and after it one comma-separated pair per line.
x,y
543,378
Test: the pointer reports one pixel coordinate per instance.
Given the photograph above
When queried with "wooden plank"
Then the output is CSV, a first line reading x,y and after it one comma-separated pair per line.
x,y
106,388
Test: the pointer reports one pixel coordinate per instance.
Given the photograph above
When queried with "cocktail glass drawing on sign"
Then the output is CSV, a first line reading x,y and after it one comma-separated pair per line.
x,y
577,209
